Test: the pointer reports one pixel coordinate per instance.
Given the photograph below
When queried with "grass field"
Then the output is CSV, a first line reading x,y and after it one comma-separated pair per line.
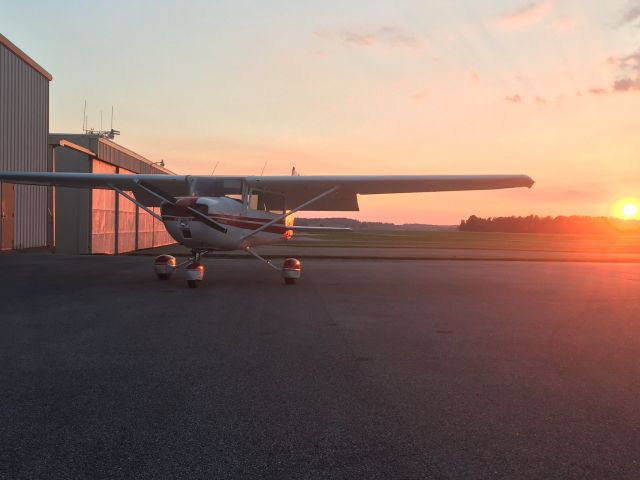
x,y
618,243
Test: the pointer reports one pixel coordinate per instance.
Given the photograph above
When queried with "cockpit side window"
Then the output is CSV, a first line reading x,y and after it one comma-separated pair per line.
x,y
266,201
235,196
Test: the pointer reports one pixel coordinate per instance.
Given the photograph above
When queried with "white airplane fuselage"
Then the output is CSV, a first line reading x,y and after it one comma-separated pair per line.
x,y
236,217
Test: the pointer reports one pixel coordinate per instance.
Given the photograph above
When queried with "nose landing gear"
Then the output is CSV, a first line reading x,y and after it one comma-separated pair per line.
x,y
165,265
195,270
194,274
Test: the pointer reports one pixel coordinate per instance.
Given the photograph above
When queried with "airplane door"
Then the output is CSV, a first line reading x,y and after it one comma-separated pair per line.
x,y
6,215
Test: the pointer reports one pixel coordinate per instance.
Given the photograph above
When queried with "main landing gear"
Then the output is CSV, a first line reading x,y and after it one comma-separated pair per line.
x,y
290,270
165,265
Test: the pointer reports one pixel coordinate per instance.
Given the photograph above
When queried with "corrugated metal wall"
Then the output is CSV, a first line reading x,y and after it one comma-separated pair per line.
x,y
113,221
24,127
126,221
103,214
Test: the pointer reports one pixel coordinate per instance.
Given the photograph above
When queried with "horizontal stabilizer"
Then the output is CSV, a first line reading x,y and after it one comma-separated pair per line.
x,y
305,229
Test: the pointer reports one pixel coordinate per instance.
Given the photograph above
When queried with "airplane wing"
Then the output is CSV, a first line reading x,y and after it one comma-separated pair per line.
x,y
296,189
174,185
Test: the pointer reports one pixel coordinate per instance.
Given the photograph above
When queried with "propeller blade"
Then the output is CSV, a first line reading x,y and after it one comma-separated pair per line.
x,y
174,201
207,221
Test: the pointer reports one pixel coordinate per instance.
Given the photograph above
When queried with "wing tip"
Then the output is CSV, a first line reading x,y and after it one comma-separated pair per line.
x,y
530,182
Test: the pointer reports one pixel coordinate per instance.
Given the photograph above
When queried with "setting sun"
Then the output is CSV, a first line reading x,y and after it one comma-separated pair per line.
x,y
630,210
627,208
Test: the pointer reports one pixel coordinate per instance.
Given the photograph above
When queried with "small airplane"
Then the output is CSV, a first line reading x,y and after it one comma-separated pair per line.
x,y
207,213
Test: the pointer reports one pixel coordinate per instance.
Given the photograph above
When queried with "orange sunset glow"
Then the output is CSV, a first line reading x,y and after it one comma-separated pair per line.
x,y
547,88
630,210
626,208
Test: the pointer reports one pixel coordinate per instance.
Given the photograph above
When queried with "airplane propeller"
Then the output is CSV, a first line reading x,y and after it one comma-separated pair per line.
x,y
174,201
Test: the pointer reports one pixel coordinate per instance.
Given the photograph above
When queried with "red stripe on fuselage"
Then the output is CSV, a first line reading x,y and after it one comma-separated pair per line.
x,y
247,223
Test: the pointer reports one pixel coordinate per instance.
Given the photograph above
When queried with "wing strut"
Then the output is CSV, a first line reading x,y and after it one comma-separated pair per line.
x,y
285,215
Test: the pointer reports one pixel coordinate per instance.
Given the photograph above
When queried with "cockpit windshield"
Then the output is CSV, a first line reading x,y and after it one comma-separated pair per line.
x,y
216,187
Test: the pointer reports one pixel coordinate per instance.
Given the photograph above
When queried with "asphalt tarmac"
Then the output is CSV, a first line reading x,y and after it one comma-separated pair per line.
x,y
372,369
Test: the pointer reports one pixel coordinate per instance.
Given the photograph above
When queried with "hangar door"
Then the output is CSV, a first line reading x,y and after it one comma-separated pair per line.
x,y
6,215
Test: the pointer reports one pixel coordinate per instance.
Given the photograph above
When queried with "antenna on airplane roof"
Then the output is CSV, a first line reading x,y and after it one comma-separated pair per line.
x,y
214,168
265,166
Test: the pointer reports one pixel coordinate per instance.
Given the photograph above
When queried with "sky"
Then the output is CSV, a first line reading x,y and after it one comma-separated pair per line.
x,y
547,88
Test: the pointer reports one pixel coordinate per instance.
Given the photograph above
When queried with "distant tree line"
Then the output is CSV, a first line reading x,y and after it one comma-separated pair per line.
x,y
536,224
358,225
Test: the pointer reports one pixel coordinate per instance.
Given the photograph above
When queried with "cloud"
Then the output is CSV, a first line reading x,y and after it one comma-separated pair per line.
x,y
563,24
628,74
627,84
577,193
386,36
597,91
540,101
631,14
561,194
524,16
474,76
421,95
513,98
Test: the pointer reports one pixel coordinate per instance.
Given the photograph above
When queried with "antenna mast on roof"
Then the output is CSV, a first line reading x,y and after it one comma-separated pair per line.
x,y
110,134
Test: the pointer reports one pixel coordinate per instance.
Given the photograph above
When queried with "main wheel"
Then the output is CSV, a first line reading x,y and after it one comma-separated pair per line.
x,y
193,283
164,266
291,269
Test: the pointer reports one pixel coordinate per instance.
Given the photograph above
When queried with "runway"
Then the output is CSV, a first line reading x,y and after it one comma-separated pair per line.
x,y
366,369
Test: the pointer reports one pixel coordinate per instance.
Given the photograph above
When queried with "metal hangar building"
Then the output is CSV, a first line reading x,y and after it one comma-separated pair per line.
x,y
24,128
101,221
66,220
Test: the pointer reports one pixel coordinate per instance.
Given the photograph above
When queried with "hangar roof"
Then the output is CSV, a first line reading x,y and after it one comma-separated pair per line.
x,y
24,57
110,152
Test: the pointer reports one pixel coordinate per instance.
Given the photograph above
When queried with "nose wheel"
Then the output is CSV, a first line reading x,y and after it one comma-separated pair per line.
x,y
195,270
194,274
165,265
